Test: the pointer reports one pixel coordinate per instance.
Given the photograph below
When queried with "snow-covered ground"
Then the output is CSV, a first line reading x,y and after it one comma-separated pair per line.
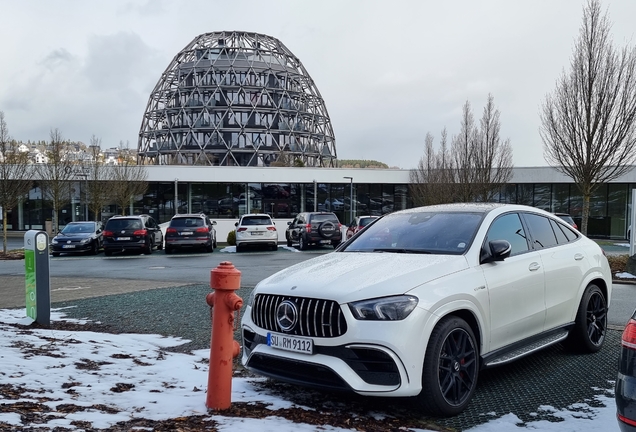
x,y
136,378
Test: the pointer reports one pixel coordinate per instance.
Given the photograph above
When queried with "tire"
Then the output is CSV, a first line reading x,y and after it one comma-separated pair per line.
x,y
160,245
214,244
148,248
302,243
451,368
590,326
289,242
239,248
209,248
327,229
107,252
335,243
168,250
94,249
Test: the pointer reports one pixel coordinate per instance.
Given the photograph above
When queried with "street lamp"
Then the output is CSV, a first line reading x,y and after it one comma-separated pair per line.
x,y
351,199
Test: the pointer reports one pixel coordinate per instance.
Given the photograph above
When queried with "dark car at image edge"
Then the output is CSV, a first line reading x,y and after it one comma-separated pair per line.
x,y
625,392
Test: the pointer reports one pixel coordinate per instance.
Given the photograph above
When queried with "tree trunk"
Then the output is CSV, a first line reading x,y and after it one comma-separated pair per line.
x,y
586,212
4,230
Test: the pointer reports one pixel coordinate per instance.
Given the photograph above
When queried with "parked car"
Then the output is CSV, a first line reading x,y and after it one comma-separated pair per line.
x,y
190,231
566,217
314,228
421,300
78,237
256,229
358,223
132,233
626,381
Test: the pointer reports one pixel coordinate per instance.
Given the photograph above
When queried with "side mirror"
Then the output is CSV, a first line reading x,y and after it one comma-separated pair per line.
x,y
289,223
213,222
235,224
499,250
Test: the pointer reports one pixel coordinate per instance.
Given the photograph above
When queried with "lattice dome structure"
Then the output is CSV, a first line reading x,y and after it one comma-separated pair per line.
x,y
236,98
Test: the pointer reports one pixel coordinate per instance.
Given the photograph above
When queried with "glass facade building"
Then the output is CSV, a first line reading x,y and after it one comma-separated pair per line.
x,y
236,99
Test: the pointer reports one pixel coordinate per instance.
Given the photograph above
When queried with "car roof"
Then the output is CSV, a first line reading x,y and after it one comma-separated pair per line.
x,y
474,208
187,215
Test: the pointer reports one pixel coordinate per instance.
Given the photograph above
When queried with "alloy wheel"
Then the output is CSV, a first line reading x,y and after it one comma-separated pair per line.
x,y
457,367
596,318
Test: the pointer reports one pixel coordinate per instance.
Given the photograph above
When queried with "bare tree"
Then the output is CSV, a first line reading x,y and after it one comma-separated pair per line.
x,y
432,182
127,180
475,168
99,189
15,180
57,175
492,155
463,150
588,124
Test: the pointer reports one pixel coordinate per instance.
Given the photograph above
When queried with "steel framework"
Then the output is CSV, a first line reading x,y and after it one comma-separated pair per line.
x,y
236,98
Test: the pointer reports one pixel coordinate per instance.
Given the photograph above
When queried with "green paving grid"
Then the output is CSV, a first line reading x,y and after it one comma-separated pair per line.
x,y
551,377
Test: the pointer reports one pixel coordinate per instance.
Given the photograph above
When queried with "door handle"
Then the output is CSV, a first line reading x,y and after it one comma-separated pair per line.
x,y
534,266
578,256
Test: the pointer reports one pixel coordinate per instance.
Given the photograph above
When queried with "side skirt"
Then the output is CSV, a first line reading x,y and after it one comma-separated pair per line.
x,y
527,346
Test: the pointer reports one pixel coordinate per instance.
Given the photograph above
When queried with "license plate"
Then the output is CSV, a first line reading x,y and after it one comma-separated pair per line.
x,y
68,246
123,238
257,233
290,343
186,233
325,241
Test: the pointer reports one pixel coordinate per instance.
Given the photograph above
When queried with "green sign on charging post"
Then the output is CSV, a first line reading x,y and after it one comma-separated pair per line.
x,y
36,273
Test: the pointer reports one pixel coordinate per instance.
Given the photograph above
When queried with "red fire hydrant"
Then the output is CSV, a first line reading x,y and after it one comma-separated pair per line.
x,y
224,280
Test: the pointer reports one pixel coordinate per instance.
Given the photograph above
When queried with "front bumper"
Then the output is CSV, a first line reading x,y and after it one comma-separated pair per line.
x,y
71,248
386,361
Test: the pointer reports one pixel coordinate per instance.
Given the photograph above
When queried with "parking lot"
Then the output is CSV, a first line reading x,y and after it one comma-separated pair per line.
x,y
166,295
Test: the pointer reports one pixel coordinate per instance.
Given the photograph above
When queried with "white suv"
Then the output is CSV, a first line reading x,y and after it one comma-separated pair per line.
x,y
256,229
421,300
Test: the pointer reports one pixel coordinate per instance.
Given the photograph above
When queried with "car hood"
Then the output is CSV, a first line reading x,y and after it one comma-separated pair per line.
x,y
346,277
72,236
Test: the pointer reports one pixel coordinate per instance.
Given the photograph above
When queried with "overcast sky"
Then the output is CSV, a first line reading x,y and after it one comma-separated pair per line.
x,y
389,71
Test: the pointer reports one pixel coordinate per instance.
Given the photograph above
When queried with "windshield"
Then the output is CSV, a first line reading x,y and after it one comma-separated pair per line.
x,y
73,228
256,220
423,232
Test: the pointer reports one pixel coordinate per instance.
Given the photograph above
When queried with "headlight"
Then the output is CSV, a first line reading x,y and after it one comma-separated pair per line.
x,y
250,299
84,241
384,309
54,241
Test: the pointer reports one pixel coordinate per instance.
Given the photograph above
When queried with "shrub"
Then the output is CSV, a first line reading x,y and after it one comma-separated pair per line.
x,y
231,238
618,263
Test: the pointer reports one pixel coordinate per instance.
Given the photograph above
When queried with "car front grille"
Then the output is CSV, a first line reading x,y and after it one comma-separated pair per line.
x,y
315,317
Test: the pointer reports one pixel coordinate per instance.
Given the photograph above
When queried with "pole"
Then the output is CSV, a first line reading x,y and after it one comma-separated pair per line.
x,y
176,196
350,199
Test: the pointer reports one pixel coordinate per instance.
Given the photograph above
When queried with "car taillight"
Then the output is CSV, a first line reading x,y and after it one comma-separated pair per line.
x,y
241,229
171,231
629,335
626,420
271,228
202,230
308,227
140,232
108,233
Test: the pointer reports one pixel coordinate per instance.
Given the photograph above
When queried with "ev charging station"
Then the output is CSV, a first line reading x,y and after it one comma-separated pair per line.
x,y
37,279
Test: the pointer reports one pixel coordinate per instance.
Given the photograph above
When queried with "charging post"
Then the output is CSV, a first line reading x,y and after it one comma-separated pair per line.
x,y
37,280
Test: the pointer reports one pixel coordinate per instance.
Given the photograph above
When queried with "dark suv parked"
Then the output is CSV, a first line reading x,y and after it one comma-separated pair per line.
x,y
137,233
190,231
314,228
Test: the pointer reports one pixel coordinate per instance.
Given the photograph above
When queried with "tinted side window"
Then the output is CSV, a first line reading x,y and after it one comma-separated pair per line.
x,y
561,237
541,231
508,227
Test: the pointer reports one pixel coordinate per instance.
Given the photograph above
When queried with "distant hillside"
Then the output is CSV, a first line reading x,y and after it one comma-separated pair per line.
x,y
359,163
